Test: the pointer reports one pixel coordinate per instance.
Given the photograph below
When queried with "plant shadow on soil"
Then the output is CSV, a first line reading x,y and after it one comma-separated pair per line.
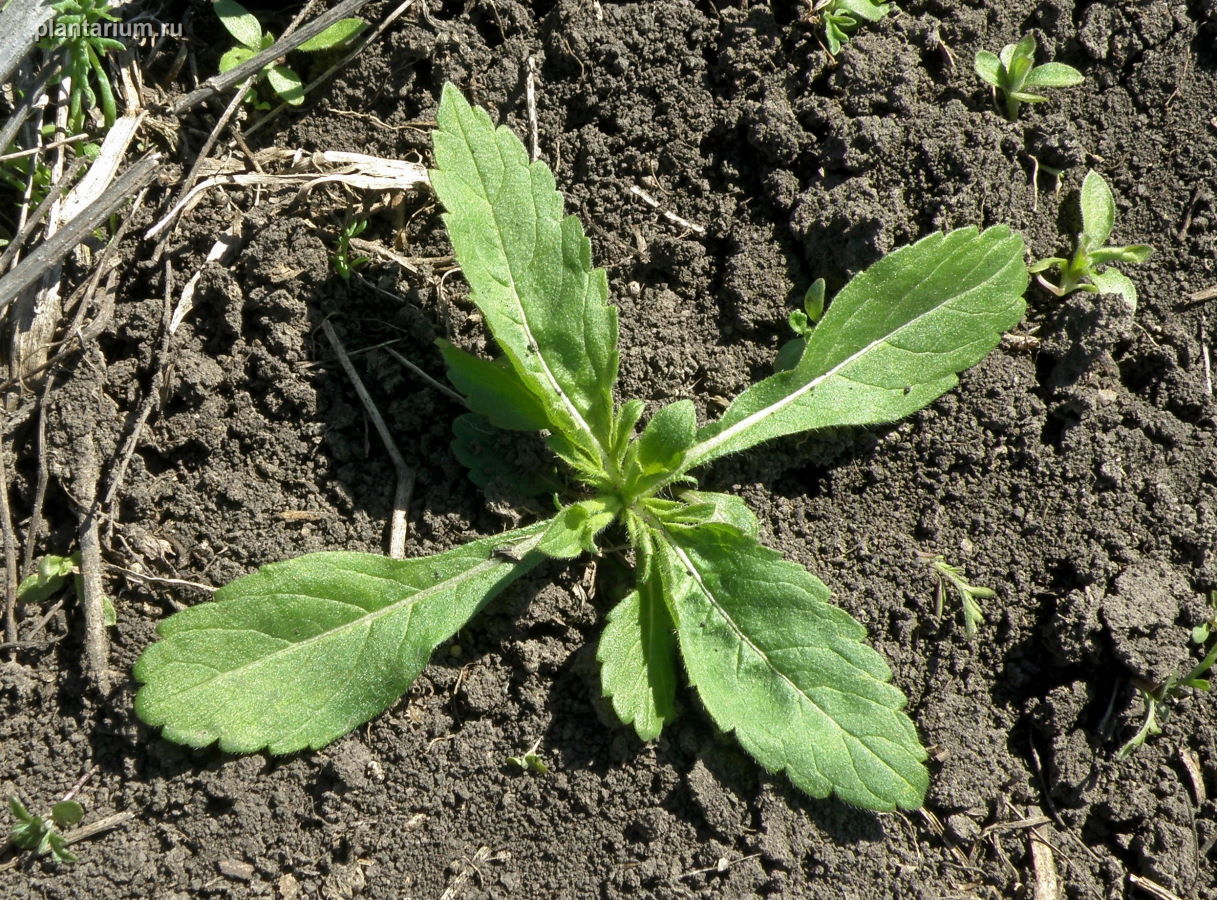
x,y
1079,478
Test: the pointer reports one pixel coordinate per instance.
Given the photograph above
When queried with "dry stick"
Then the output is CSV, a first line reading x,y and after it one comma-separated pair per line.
x,y
530,98
405,475
666,213
93,599
355,51
10,554
119,472
1208,370
1205,294
84,832
57,246
18,154
439,386
217,84
31,534
201,157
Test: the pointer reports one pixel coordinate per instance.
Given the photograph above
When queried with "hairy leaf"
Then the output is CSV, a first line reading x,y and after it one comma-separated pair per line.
x,y
787,671
239,22
486,452
493,390
300,652
667,435
1053,74
286,83
891,342
341,31
530,272
1098,209
637,650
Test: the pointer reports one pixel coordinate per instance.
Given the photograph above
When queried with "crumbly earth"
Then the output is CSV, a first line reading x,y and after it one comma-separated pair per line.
x,y
1074,470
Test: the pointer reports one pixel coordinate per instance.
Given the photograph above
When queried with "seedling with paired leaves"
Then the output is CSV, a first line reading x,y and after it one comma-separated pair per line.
x,y
301,652
73,33
1157,698
970,595
1090,268
252,40
344,262
1013,74
530,760
842,18
42,835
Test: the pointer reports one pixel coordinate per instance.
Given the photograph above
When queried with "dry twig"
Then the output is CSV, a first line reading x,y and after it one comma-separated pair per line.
x,y
405,475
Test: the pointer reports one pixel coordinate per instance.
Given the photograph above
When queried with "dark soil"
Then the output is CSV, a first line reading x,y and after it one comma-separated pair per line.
x,y
1074,472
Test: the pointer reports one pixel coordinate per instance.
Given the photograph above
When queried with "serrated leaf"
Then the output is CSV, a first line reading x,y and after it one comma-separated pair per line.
x,y
67,812
341,31
1098,210
239,22
493,390
1053,74
300,652
891,342
530,272
787,671
637,652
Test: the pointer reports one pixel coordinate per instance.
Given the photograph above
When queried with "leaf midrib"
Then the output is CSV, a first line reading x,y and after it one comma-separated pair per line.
x,y
764,657
369,618
569,405
697,452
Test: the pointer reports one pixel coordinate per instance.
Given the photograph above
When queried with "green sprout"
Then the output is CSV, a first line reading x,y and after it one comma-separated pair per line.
x,y
252,40
1090,269
969,595
529,761
1014,71
344,263
42,834
302,651
1158,697
74,33
842,18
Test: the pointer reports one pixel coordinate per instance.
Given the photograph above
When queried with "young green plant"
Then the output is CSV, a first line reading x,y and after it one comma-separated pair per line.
x,y
842,18
1157,698
74,33
252,40
1013,74
1090,268
344,262
303,651
970,595
31,832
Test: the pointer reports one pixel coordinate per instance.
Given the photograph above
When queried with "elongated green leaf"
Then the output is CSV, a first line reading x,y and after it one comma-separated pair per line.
x,y
286,83
988,67
493,390
667,435
239,22
341,31
866,9
637,651
705,508
891,342
1098,210
787,671
1053,74
300,652
485,451
530,271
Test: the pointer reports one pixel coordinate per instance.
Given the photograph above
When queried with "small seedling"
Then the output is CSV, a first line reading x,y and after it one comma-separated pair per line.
x,y
42,834
75,33
301,652
530,761
842,18
344,263
802,322
252,40
969,595
1090,268
1158,697
1013,73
